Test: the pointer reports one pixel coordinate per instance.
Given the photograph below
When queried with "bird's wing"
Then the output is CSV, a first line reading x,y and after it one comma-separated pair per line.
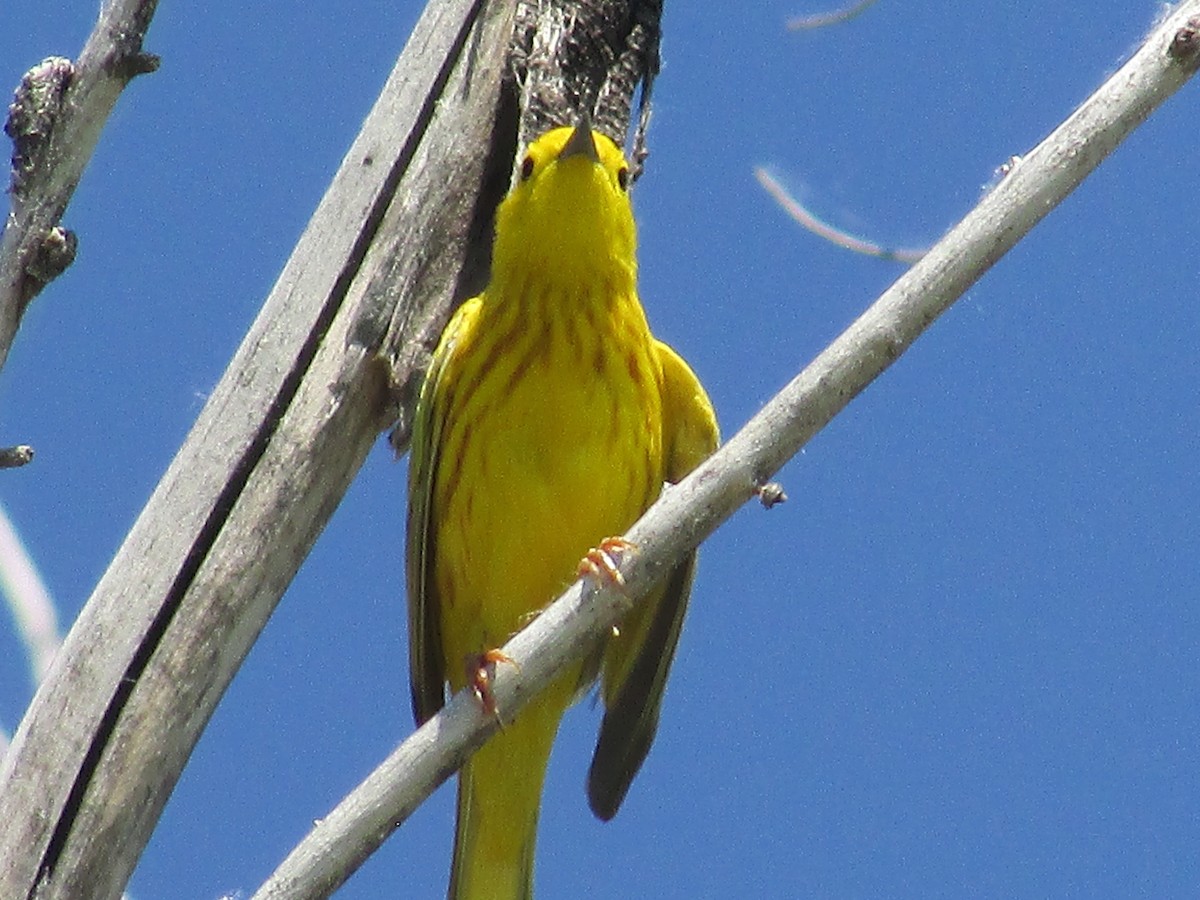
x,y
427,668
637,664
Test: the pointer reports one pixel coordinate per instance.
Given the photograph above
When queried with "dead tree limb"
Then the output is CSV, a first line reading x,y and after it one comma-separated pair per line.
x,y
334,356
55,121
263,468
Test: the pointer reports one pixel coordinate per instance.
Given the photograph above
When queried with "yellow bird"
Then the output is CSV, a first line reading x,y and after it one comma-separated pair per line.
x,y
550,418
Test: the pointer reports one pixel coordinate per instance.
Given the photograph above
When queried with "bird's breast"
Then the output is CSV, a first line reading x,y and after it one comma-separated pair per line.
x,y
561,427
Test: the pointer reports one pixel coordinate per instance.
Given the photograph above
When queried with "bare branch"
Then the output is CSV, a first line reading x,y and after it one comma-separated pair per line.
x,y
822,20
263,468
576,57
15,457
337,349
834,235
55,121
32,607
690,511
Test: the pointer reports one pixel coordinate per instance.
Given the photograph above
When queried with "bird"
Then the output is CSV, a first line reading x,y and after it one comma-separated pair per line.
x,y
548,422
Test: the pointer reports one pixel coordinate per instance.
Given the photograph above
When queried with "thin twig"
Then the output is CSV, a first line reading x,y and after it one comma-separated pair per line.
x,y
31,604
821,20
822,229
55,121
689,512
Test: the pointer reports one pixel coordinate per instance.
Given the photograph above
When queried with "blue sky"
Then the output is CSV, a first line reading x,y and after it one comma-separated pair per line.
x,y
962,660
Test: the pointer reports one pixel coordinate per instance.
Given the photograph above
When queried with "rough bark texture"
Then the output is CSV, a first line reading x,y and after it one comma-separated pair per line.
x,y
334,356
55,120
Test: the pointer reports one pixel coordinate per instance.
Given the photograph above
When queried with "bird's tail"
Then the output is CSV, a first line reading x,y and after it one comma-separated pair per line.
x,y
499,796
493,849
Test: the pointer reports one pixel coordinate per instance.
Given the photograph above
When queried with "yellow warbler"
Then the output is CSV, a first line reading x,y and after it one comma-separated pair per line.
x,y
550,418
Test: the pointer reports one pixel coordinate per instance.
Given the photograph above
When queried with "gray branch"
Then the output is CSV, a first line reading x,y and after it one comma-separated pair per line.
x,y
689,512
332,359
55,121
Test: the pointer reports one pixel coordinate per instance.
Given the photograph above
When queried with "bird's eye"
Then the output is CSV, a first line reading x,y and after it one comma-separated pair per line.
x,y
623,178
526,168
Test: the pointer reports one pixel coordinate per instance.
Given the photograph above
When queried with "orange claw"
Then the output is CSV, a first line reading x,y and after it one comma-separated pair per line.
x,y
599,562
481,672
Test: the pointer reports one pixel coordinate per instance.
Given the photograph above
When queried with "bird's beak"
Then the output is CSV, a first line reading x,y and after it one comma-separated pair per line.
x,y
581,142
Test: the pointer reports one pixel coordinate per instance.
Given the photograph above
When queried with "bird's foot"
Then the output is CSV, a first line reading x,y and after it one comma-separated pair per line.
x,y
481,673
600,564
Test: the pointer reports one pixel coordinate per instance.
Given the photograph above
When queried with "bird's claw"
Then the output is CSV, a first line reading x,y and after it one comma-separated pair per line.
x,y
600,563
481,673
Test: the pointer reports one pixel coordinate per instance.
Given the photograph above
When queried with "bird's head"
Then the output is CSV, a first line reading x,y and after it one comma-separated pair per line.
x,y
568,215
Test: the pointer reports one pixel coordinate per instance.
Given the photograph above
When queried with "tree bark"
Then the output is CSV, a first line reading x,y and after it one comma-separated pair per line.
x,y
335,356
55,121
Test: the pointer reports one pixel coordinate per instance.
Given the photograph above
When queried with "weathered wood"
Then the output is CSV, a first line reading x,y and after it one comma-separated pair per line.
x,y
265,465
55,121
576,57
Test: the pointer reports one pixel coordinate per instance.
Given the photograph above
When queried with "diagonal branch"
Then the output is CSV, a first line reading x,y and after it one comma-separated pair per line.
x,y
689,512
336,349
260,473
55,121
